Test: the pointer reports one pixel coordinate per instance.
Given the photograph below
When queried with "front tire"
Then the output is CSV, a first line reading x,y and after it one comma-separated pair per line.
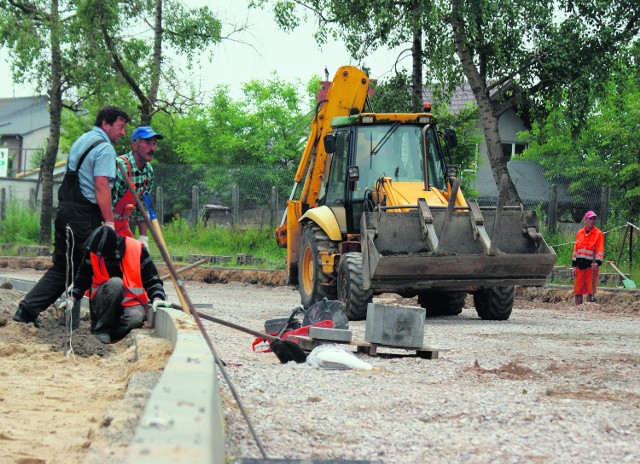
x,y
494,303
350,289
313,284
442,303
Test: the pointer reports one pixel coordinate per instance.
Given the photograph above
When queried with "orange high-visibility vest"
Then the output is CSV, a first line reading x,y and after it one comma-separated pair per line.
x,y
134,293
586,244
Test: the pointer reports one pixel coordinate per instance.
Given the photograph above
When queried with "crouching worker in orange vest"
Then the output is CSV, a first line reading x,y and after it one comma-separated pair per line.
x,y
122,279
588,255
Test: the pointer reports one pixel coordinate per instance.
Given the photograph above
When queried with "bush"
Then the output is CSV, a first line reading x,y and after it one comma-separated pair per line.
x,y
21,224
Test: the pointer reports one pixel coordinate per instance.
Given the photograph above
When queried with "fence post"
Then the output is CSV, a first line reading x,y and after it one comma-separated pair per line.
x,y
552,217
604,205
32,198
159,205
630,248
3,203
235,200
274,205
195,208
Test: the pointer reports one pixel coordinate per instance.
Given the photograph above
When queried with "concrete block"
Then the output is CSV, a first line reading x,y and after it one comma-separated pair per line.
x,y
401,326
335,335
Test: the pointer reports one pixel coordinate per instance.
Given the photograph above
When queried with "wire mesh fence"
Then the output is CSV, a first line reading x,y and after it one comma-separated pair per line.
x,y
254,195
222,196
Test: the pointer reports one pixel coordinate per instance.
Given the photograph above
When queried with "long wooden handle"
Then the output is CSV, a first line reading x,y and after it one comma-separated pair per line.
x,y
617,270
241,328
185,268
156,233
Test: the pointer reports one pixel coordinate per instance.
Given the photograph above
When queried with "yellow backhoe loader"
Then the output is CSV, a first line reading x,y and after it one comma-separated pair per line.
x,y
381,211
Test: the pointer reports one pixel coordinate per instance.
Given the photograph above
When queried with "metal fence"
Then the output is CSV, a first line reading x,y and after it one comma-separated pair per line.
x,y
222,196
255,195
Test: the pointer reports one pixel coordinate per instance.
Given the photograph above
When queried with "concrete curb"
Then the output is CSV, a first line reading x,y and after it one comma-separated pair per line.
x,y
182,421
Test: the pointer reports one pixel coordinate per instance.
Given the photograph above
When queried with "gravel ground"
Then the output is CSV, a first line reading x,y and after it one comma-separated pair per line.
x,y
554,383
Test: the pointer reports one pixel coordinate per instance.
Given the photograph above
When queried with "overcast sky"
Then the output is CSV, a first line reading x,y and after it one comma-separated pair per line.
x,y
293,56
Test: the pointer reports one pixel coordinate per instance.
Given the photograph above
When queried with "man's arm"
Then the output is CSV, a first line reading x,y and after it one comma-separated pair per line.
x,y
150,278
121,185
143,227
83,277
103,197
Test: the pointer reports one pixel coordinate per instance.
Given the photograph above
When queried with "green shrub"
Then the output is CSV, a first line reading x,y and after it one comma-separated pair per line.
x,y
183,239
21,224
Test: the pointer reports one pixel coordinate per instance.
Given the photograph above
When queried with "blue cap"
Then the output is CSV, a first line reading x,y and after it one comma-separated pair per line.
x,y
144,132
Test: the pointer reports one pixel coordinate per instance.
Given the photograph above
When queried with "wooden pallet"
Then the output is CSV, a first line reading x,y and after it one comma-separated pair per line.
x,y
308,344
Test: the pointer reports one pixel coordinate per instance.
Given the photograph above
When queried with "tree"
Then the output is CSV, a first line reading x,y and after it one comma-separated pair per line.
x,y
40,37
495,45
267,126
606,150
140,58
59,45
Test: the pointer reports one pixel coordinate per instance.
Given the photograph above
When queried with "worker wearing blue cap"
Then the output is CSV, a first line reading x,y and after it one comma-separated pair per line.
x,y
138,167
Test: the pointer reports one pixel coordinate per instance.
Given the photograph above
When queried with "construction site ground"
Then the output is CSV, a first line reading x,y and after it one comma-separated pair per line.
x,y
554,383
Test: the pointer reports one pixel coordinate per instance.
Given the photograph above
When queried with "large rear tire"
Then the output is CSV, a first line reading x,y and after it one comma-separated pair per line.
x,y
350,290
494,303
313,284
442,303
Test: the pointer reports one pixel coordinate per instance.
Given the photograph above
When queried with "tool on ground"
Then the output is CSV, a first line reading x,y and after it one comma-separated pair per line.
x,y
592,295
285,336
156,233
285,350
626,282
186,268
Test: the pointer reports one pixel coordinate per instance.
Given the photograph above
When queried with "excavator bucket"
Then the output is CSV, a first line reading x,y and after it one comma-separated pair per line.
x,y
461,248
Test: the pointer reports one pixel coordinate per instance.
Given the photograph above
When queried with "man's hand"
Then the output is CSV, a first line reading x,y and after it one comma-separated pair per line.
x,y
68,304
110,224
573,272
144,240
158,303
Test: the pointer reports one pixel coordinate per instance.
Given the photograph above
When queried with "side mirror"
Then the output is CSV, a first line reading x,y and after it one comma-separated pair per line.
x,y
353,172
450,138
329,143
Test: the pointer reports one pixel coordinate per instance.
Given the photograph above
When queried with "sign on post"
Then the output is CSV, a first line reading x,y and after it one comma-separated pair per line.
x,y
4,162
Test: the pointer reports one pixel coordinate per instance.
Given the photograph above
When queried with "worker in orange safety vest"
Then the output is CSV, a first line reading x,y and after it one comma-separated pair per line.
x,y
588,256
122,279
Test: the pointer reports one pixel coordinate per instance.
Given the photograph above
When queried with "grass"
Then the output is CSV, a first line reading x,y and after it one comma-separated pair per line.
x,y
562,243
183,240
21,227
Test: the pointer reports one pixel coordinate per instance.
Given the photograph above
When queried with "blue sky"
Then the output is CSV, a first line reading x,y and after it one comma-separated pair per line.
x,y
266,49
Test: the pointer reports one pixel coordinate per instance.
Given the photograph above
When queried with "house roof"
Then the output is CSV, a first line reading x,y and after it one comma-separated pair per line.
x,y
21,116
463,96
528,178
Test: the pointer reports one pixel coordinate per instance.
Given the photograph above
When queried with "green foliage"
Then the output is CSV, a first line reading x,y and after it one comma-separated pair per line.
x,y
183,240
267,126
393,95
604,152
21,224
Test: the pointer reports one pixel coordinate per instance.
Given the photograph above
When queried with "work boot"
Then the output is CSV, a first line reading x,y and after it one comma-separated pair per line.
x,y
25,317
103,337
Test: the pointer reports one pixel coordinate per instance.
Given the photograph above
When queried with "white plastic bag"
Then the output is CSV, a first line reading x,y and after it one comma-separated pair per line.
x,y
332,356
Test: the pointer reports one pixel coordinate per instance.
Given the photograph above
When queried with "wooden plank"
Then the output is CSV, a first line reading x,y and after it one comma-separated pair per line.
x,y
371,349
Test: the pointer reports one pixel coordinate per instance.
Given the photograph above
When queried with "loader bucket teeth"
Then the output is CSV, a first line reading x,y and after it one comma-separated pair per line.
x,y
400,251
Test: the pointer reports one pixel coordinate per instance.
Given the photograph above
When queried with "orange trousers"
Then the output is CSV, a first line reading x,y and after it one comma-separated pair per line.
x,y
584,283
